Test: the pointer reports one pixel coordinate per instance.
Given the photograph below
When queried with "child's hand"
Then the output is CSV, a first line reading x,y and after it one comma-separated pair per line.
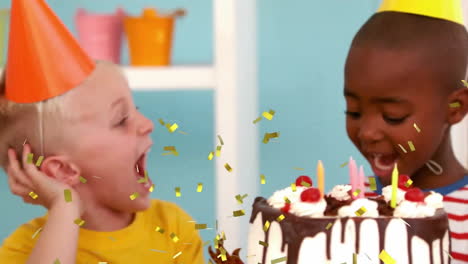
x,y
34,186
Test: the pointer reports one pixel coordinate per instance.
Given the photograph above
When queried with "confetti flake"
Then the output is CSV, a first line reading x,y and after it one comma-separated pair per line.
x,y
280,218
329,226
30,158
210,156
134,196
465,83
218,151
228,168
455,104
171,151
354,258
151,189
269,115
37,232
159,229
26,140
360,211
278,260
177,255
161,122
79,222
265,244
177,192
39,161
160,251
83,179
240,198
200,226
434,167
344,164
57,261
305,184
145,179
33,195
386,258
408,183
372,184
268,136
200,187
293,187
172,127
206,243
257,120
221,140
262,179
296,168
411,145
403,148
238,213
67,195
417,128
356,192
174,237
266,226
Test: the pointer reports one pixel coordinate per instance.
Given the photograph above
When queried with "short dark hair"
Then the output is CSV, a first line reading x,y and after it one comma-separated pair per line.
x,y
442,44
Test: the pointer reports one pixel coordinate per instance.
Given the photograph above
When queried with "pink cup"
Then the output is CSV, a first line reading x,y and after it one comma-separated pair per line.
x,y
101,34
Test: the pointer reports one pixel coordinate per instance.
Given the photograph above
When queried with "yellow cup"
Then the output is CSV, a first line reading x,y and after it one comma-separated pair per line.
x,y
4,15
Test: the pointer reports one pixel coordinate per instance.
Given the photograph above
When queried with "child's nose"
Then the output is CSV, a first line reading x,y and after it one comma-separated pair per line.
x,y
369,133
146,126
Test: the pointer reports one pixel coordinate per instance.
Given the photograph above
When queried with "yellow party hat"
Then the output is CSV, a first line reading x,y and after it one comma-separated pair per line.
x,y
450,10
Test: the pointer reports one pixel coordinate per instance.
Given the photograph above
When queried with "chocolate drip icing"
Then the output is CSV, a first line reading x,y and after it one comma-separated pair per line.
x,y
295,229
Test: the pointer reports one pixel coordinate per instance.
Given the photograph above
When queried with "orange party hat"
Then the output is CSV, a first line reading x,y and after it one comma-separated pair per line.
x,y
44,59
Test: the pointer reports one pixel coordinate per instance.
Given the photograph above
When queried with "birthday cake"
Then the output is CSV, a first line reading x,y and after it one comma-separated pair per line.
x,y
299,225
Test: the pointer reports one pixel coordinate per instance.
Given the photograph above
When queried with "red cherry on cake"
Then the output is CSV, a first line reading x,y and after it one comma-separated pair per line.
x,y
311,195
403,181
286,208
303,178
415,195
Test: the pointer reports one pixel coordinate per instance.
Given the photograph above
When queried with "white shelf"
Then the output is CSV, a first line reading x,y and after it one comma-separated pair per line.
x,y
186,77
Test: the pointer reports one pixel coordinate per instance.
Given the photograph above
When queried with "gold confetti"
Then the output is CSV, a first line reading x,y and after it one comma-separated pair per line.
x,y
177,255
177,192
83,179
220,140
293,187
465,83
417,128
257,120
305,184
134,196
411,146
223,235
39,161
278,260
200,187
79,222
200,226
172,150
67,195
262,179
266,226
372,184
206,243
402,148
161,121
210,156
386,258
238,213
223,254
218,151
344,164
286,200
455,104
329,226
296,168
160,251
240,198
228,168
265,244
172,127
145,179
280,218
408,183
151,189
356,192
30,158
159,229
174,237
354,258
268,136
33,195
57,261
269,115
36,233
360,211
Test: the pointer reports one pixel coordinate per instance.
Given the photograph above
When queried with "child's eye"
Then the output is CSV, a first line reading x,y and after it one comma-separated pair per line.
x,y
394,121
353,115
123,121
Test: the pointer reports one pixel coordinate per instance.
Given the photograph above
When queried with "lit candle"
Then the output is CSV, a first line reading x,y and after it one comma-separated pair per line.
x,y
353,175
321,178
394,186
361,185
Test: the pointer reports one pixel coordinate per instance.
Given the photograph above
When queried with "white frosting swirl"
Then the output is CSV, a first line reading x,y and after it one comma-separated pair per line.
x,y
314,209
277,199
350,210
410,209
435,200
340,192
387,193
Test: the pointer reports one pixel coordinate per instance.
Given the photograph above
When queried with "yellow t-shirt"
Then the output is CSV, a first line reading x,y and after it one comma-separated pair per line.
x,y
138,243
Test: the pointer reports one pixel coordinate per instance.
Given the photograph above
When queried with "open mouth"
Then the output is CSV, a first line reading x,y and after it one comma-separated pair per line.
x,y
140,170
383,163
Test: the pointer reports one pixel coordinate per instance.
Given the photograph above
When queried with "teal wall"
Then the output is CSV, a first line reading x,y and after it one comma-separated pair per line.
x,y
301,52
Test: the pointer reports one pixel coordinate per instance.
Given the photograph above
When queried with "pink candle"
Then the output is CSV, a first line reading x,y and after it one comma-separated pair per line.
x,y
361,185
353,175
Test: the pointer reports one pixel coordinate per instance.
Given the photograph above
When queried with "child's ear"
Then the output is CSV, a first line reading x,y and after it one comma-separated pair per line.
x,y
458,105
61,169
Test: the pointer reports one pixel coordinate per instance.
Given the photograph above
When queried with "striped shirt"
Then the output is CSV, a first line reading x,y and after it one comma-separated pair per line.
x,y
456,206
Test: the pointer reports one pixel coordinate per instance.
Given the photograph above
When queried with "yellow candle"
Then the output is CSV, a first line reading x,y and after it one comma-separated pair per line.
x,y
320,178
394,186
